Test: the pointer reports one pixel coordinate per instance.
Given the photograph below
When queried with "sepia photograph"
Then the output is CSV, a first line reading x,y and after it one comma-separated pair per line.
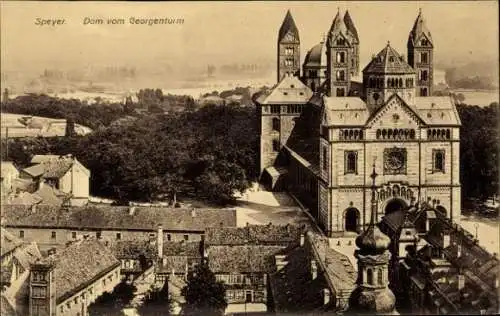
x,y
249,158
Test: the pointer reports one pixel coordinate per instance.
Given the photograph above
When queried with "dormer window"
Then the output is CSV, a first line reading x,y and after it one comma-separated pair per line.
x,y
340,41
391,59
423,42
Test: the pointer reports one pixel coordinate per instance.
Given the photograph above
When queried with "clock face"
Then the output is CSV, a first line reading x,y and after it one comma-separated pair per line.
x,y
394,162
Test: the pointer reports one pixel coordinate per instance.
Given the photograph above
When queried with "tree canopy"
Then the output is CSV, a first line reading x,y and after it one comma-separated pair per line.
x,y
112,303
203,293
156,302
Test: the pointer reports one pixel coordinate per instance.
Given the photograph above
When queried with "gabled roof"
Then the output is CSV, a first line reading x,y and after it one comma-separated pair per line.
x,y
241,259
388,61
288,91
28,255
419,28
253,234
411,110
116,217
9,242
437,110
52,166
348,111
78,265
350,25
133,249
288,26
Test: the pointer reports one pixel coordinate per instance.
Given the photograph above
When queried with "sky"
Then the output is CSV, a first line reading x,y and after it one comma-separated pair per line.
x,y
225,32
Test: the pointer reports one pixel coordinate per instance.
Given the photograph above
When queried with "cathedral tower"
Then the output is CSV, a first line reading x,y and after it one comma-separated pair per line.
x,y
340,45
349,23
372,295
420,56
288,48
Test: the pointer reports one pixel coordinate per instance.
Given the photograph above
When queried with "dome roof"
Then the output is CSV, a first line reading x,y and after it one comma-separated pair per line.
x,y
372,241
388,61
316,56
372,302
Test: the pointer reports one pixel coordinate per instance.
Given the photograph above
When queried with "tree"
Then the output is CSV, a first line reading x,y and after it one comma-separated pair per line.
x,y
113,303
156,302
203,293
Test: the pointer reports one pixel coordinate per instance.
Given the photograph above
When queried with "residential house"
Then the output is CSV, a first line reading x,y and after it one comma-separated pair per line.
x,y
243,257
69,280
44,195
64,173
51,226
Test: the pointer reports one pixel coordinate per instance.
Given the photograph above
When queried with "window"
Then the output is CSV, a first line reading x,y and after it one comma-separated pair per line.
x,y
118,236
289,51
276,145
424,58
39,291
340,57
325,158
73,235
423,75
423,92
340,41
351,161
21,234
438,160
186,237
391,59
276,124
340,75
340,92
369,276
98,235
423,42
169,237
275,109
289,62
380,277
312,73
53,235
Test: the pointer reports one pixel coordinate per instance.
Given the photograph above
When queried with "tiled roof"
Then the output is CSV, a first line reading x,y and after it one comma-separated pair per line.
x,y
50,166
350,25
345,111
287,26
437,110
176,264
133,249
175,248
116,217
9,242
388,61
253,234
288,91
26,198
43,158
79,264
240,259
292,288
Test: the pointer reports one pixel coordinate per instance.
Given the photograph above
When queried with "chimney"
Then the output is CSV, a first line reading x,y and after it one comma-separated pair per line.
x,y
446,241
314,269
193,212
326,296
459,251
131,210
33,208
159,243
41,183
302,239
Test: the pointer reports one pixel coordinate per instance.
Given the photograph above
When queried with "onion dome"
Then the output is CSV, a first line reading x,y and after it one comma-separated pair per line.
x,y
288,27
372,241
388,61
372,302
350,26
419,29
316,57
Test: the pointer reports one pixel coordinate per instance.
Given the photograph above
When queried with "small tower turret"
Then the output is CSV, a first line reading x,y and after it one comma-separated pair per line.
x,y
288,48
372,294
353,32
421,55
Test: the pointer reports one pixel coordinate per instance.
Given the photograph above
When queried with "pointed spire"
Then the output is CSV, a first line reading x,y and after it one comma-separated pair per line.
x,y
419,28
288,26
338,25
350,25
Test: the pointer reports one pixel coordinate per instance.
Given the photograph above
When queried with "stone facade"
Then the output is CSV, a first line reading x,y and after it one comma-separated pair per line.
x,y
412,138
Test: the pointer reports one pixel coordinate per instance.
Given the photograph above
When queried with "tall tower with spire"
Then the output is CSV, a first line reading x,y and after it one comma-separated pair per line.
x,y
288,48
340,44
421,56
372,294
351,29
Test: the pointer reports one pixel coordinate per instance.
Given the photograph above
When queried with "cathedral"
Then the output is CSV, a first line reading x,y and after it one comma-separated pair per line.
x,y
326,123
